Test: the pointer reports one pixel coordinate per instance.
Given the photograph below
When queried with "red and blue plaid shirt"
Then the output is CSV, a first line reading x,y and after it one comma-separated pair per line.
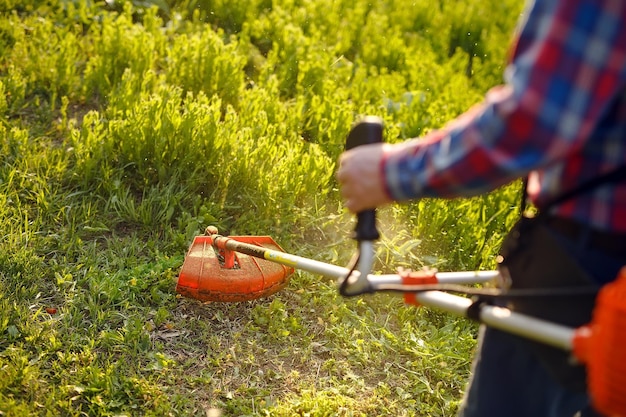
x,y
559,118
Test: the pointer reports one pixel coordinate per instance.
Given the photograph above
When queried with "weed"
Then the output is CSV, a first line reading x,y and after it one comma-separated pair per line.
x,y
128,127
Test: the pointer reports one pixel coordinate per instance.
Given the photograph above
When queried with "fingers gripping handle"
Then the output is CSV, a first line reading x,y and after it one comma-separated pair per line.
x,y
367,131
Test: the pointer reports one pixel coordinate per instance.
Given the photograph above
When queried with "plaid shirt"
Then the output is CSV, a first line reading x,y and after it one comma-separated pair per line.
x,y
560,118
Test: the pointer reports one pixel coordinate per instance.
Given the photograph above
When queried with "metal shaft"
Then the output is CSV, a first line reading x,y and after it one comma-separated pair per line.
x,y
501,318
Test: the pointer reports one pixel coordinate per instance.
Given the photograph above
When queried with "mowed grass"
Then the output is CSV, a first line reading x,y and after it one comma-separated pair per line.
x,y
126,128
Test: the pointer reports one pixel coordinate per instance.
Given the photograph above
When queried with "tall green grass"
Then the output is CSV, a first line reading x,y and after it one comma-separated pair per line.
x,y
127,127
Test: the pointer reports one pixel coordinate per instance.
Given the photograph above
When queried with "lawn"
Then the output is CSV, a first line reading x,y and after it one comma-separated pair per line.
x,y
127,128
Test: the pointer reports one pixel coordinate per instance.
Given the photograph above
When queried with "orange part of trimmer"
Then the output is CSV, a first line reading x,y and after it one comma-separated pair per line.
x,y
210,273
600,345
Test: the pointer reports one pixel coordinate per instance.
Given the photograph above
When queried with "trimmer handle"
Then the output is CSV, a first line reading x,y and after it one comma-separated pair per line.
x,y
367,131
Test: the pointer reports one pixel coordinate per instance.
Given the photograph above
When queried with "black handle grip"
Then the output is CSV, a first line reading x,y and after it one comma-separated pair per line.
x,y
367,131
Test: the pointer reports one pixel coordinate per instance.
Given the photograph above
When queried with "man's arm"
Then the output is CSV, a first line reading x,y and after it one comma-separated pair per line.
x,y
568,67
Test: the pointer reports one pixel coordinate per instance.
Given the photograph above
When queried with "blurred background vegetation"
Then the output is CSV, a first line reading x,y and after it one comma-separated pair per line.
x,y
129,126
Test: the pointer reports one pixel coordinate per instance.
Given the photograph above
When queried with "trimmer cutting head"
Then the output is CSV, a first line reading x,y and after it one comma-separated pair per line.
x,y
210,273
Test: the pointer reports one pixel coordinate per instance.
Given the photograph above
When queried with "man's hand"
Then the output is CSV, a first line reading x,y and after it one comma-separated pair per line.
x,y
360,177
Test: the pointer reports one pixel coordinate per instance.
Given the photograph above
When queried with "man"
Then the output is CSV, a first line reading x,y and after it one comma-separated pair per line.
x,y
560,120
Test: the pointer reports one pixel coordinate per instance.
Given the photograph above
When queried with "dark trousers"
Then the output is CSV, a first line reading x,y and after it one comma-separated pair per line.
x,y
508,380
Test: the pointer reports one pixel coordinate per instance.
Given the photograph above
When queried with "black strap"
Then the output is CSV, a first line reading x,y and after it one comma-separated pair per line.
x,y
610,177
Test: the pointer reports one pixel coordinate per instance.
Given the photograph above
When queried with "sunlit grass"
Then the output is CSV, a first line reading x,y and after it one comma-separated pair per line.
x,y
126,129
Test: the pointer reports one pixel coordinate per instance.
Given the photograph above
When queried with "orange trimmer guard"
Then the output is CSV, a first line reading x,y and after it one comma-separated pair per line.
x,y
206,277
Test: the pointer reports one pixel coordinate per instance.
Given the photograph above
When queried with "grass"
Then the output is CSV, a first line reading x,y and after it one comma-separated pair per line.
x,y
128,127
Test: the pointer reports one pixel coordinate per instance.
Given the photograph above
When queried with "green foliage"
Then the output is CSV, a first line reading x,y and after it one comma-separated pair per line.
x,y
205,63
127,127
119,46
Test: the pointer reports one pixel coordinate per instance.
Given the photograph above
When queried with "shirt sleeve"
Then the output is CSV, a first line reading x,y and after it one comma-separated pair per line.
x,y
568,66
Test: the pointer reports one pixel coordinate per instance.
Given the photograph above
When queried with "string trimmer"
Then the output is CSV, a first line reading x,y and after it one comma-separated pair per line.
x,y
240,268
